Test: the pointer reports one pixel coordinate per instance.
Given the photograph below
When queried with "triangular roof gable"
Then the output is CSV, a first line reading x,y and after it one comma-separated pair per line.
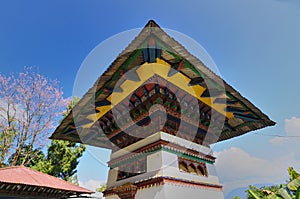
x,y
131,56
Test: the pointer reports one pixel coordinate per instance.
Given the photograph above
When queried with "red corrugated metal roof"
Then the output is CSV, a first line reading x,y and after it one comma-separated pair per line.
x,y
27,176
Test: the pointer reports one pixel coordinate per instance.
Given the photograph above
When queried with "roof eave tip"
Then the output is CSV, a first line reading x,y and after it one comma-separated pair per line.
x,y
151,23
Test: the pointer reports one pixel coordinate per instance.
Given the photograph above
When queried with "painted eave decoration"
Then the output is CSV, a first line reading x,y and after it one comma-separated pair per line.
x,y
154,49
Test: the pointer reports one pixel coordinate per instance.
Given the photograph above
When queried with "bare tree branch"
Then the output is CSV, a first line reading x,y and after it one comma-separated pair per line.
x,y
30,106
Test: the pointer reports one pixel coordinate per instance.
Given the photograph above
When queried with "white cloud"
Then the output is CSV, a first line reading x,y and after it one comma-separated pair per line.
x,y
92,185
292,130
278,140
292,126
237,168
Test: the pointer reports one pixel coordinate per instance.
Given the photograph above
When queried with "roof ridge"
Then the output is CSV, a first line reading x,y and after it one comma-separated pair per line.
x,y
152,23
9,167
29,171
45,174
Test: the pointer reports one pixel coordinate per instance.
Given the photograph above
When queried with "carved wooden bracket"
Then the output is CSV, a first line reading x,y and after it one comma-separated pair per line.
x,y
126,191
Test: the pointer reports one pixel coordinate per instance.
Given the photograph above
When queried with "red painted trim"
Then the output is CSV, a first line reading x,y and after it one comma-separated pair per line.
x,y
163,180
159,144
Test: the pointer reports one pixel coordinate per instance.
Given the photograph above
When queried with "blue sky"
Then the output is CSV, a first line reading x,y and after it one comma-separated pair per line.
x,y
255,44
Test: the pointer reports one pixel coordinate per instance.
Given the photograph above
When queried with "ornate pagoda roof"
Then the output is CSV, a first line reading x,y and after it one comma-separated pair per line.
x,y
161,59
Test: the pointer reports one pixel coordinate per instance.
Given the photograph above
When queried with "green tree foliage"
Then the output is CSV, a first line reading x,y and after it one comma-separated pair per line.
x,y
291,190
62,156
254,192
33,158
101,188
293,173
71,104
61,159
